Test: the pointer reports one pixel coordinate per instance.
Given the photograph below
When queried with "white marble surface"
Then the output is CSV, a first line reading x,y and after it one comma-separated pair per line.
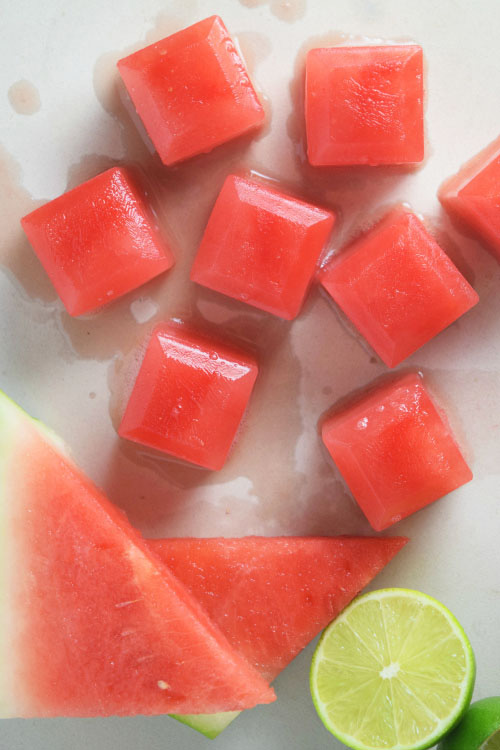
x,y
454,552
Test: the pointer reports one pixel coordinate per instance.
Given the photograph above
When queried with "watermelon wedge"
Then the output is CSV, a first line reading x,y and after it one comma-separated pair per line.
x,y
91,622
271,596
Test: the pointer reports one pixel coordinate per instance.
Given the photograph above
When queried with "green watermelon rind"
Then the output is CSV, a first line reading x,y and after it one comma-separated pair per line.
x,y
210,725
10,412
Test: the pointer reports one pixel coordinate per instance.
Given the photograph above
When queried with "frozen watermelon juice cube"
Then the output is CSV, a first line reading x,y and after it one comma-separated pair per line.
x,y
192,91
397,286
189,397
261,246
473,196
98,241
364,105
395,450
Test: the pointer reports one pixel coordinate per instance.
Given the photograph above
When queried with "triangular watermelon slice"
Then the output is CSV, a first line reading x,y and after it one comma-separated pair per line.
x,y
271,596
91,622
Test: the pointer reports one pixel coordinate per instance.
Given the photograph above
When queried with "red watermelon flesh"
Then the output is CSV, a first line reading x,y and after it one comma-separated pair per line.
x,y
91,623
271,596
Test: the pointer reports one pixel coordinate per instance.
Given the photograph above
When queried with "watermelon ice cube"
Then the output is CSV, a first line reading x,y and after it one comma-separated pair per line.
x,y
91,622
261,246
364,105
397,286
189,396
192,91
473,196
395,450
98,241
272,595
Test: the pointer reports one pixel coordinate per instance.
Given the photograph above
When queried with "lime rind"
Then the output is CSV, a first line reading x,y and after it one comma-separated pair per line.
x,y
478,726
399,716
210,725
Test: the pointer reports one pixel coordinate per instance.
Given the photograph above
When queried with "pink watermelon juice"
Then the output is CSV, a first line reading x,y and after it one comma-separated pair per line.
x,y
395,449
192,91
364,105
261,246
472,196
98,241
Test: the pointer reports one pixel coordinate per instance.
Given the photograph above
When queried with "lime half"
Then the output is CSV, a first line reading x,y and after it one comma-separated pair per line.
x,y
395,670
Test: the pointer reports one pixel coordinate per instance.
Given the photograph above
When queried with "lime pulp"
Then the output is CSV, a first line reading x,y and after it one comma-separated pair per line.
x,y
395,670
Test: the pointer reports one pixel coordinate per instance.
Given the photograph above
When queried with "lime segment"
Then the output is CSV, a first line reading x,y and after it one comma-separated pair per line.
x,y
395,670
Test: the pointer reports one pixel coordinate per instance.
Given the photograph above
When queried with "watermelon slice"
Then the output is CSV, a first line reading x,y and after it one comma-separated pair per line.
x,y
91,622
271,596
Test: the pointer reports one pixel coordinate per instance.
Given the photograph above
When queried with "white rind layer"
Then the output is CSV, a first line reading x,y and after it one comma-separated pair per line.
x,y
15,427
12,424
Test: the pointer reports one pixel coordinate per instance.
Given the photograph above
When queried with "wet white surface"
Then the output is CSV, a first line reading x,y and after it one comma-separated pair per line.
x,y
75,375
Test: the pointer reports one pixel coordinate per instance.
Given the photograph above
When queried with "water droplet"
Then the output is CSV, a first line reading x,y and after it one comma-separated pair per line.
x,y
143,309
24,98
